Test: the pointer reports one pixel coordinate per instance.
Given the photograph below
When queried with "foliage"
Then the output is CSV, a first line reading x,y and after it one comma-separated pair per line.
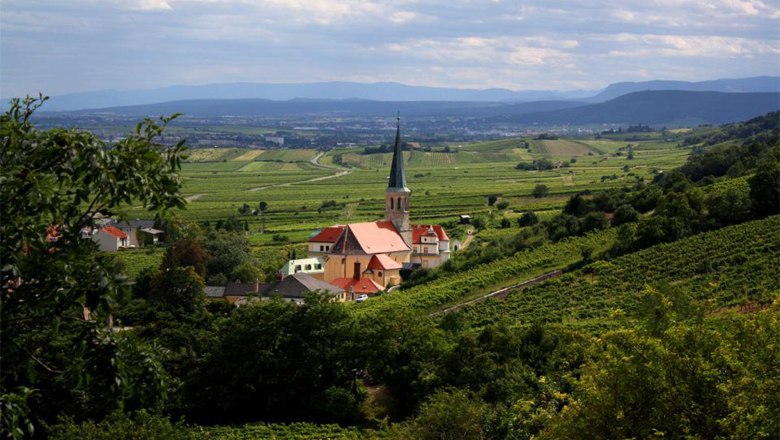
x,y
119,426
52,183
540,191
278,360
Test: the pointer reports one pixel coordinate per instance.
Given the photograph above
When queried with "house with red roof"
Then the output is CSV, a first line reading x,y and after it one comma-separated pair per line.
x,y
366,258
111,239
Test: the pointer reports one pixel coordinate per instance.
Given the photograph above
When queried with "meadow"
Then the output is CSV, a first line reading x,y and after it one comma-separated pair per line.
x,y
295,183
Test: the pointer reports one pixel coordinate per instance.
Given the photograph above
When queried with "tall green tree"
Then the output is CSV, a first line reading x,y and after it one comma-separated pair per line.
x,y
57,289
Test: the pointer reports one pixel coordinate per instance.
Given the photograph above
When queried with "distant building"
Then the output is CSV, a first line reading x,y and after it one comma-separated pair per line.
x,y
294,288
276,140
235,292
139,232
314,266
110,239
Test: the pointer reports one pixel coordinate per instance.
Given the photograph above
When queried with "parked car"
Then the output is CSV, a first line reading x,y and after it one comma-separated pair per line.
x,y
361,298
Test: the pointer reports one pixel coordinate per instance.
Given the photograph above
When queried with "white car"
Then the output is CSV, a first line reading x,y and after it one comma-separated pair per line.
x,y
361,298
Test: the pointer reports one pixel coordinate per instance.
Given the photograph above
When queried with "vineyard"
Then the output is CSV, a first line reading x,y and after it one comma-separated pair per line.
x,y
453,288
730,267
293,431
445,184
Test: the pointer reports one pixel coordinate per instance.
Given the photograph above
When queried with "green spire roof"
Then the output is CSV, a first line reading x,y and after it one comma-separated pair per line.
x,y
397,174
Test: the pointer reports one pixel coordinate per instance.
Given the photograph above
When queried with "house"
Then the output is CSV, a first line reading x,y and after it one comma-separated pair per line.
x,y
294,288
314,266
110,239
366,258
238,293
139,232
234,292
321,242
431,245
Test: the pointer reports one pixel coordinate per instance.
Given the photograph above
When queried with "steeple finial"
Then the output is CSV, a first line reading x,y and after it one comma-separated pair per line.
x,y
397,174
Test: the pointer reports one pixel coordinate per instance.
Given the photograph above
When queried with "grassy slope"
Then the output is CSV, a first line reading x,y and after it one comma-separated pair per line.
x,y
732,266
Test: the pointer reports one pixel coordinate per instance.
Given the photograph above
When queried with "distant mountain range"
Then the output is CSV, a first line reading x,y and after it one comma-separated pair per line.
x,y
663,107
739,85
387,91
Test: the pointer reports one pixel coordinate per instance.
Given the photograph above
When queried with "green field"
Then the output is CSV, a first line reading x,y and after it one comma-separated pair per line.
x,y
715,266
218,181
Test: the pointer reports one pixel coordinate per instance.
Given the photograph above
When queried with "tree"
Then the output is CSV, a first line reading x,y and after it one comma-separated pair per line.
x,y
502,204
227,251
55,354
186,252
540,190
765,188
529,218
492,199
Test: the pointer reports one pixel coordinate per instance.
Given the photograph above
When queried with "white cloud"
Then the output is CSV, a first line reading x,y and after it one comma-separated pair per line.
x,y
152,5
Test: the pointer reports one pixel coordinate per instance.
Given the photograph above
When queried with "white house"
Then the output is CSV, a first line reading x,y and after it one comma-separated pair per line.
x,y
110,239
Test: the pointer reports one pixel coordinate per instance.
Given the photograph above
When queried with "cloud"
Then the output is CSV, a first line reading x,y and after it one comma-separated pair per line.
x,y
68,45
152,5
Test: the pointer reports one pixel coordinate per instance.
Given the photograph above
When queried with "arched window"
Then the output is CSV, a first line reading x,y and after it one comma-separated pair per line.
x,y
399,204
391,203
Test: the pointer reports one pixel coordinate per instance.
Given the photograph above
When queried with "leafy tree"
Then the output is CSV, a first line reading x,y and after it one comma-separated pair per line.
x,y
491,200
502,204
540,190
227,250
529,218
279,360
765,188
625,214
186,252
178,290
56,357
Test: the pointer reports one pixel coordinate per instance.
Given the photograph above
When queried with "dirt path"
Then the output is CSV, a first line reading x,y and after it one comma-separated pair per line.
x,y
503,292
316,162
194,197
468,240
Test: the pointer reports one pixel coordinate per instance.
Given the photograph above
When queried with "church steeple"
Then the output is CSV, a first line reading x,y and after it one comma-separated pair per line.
x,y
397,174
397,194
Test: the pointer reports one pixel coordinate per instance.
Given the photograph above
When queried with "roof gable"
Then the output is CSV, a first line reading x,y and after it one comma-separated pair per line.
x,y
114,232
295,286
328,235
383,262
363,285
418,231
376,238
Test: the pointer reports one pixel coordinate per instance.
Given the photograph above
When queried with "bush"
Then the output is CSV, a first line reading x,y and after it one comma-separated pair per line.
x,y
540,191
529,218
502,204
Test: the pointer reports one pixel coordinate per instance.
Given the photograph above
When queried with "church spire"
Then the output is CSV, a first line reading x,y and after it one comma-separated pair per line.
x,y
397,174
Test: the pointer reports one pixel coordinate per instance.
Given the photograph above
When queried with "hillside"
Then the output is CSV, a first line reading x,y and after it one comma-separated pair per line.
x,y
738,85
673,108
733,266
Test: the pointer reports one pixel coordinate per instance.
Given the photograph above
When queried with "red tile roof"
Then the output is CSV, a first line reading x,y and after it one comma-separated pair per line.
x,y
383,262
328,235
377,237
363,285
420,230
115,232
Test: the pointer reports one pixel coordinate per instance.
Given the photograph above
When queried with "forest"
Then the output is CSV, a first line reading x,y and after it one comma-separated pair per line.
x,y
665,322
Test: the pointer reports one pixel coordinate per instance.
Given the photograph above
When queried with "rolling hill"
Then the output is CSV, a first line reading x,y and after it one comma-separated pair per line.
x,y
665,107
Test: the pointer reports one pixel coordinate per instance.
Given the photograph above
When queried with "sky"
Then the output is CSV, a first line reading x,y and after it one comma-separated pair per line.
x,y
62,46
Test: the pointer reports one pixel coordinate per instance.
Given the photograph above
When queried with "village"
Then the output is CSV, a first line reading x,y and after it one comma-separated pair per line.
x,y
350,262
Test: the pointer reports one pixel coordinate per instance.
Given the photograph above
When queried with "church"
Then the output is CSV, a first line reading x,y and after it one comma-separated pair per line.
x,y
367,258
